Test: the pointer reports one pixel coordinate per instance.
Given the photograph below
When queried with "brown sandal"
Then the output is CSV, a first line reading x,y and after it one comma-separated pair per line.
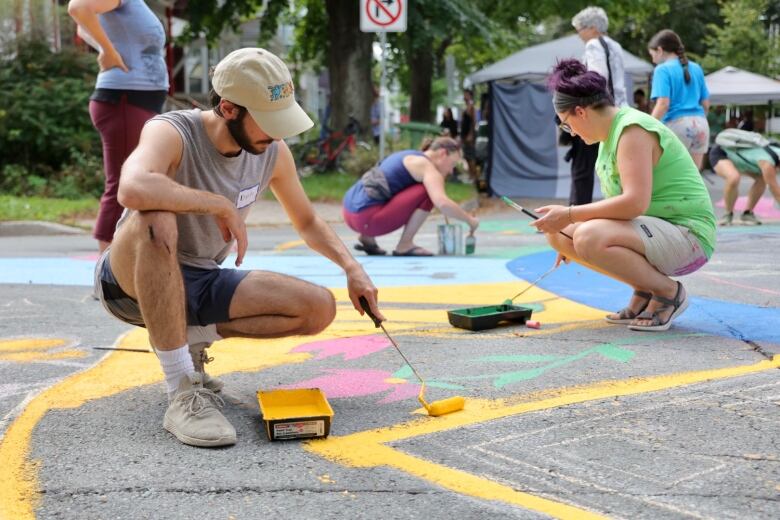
x,y
626,315
676,305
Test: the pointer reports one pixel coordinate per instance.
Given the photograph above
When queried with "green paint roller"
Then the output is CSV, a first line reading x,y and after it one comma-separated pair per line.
x,y
436,408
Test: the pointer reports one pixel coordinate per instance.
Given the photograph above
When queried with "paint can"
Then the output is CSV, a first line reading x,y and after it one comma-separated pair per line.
x,y
450,239
471,244
295,414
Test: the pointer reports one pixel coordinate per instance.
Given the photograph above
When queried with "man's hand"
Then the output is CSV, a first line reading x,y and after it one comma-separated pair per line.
x,y
109,59
359,284
232,226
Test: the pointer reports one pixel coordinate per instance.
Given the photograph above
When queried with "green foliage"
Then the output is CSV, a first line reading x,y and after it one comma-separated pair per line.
x,y
742,40
45,128
50,210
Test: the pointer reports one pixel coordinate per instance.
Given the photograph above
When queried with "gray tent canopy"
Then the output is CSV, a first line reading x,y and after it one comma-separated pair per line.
x,y
534,63
525,159
733,86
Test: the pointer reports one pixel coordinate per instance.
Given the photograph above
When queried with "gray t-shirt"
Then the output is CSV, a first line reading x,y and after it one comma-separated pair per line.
x,y
241,179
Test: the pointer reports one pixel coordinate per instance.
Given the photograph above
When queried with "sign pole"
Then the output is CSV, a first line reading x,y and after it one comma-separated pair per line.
x,y
382,101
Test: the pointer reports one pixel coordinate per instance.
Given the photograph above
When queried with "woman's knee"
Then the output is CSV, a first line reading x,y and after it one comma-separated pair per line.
x,y
588,238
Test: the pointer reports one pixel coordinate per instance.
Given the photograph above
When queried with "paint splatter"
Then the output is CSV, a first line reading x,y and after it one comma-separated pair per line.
x,y
350,348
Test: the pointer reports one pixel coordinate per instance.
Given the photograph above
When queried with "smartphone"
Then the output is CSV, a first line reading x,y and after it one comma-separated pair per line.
x,y
509,202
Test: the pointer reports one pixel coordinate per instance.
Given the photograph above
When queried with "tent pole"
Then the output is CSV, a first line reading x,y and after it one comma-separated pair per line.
x,y
769,119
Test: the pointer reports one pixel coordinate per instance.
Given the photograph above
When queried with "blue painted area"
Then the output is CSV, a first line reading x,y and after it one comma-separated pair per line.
x,y
384,271
717,317
574,282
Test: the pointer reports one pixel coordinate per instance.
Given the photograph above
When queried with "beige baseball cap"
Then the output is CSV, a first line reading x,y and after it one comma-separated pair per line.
x,y
258,80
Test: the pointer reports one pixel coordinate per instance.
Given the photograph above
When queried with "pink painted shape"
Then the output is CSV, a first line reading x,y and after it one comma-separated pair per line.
x,y
341,383
765,207
351,348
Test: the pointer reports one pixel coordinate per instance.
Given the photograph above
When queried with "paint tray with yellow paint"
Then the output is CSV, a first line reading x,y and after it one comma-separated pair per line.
x,y
295,414
488,317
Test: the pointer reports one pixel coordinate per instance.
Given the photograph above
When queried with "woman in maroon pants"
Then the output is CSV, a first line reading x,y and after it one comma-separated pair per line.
x,y
131,87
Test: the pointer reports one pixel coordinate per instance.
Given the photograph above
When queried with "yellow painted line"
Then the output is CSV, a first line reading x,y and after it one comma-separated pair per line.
x,y
289,245
115,373
28,344
368,449
32,350
120,371
32,357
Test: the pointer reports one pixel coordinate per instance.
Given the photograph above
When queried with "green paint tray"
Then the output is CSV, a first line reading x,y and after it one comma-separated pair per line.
x,y
488,317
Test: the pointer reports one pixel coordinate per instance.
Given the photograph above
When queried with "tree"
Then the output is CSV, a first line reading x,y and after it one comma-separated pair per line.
x,y
742,40
335,36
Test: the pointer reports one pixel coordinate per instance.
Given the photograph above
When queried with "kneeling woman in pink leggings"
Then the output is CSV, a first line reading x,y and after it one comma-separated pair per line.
x,y
401,191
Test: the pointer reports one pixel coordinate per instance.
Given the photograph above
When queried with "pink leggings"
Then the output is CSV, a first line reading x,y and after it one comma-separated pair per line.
x,y
120,127
382,219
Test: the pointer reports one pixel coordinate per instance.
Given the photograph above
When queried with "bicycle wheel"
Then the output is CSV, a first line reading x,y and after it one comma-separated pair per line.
x,y
309,159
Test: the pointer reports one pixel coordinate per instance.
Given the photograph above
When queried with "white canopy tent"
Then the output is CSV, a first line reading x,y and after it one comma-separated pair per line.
x,y
534,63
524,156
733,86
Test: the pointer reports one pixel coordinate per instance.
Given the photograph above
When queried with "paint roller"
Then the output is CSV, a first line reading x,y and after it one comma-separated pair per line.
x,y
435,408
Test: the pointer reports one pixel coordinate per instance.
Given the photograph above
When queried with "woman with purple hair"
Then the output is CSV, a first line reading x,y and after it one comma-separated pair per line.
x,y
656,218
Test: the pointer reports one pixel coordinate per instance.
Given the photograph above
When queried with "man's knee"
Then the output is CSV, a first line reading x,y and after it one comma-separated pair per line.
x,y
322,311
158,229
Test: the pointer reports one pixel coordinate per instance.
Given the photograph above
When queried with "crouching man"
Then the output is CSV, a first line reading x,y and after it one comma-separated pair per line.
x,y
188,187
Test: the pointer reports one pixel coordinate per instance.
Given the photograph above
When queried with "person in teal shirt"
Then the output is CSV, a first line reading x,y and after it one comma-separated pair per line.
x,y
680,93
756,163
656,220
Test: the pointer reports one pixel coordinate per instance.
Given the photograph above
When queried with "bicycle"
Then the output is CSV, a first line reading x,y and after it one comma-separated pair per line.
x,y
321,155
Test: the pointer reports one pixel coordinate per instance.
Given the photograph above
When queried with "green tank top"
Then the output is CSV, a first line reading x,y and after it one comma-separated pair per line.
x,y
679,195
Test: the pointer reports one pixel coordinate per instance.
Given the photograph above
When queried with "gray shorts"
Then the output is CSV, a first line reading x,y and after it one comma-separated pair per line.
x,y
208,293
671,249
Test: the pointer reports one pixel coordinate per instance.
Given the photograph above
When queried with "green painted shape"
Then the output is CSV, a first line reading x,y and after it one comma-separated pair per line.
x,y
403,373
614,353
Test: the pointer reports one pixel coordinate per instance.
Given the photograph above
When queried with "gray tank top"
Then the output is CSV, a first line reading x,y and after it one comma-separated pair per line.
x,y
240,179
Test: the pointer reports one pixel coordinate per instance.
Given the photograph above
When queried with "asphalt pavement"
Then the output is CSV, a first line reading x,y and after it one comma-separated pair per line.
x,y
578,419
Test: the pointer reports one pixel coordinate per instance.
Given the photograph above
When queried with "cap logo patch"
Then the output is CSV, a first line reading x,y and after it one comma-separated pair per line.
x,y
281,91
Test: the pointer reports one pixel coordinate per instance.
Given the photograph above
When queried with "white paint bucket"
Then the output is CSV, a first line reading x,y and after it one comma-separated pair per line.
x,y
450,239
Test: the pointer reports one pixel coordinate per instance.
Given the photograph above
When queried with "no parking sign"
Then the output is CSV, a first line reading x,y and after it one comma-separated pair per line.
x,y
383,15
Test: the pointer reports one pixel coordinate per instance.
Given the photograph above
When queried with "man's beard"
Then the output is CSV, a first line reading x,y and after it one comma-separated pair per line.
x,y
237,132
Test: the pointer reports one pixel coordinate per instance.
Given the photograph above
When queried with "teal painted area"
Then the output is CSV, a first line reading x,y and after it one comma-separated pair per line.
x,y
500,226
406,373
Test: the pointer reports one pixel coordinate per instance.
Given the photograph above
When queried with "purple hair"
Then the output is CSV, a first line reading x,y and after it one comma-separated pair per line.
x,y
578,86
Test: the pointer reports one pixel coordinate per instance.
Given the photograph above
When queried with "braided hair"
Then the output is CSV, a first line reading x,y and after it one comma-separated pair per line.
x,y
669,41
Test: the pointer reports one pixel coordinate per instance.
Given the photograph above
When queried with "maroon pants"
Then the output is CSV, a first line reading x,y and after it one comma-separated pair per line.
x,y
382,219
120,127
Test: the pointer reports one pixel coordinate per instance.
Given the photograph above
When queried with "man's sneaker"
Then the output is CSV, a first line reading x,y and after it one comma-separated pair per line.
x,y
749,219
726,219
194,418
199,360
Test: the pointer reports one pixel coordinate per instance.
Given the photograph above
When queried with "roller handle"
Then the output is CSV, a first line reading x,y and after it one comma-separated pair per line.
x,y
367,308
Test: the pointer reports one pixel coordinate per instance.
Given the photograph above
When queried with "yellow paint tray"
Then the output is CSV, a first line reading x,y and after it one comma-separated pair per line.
x,y
295,414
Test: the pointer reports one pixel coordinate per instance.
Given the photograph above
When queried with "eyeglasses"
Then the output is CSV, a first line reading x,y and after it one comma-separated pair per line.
x,y
566,127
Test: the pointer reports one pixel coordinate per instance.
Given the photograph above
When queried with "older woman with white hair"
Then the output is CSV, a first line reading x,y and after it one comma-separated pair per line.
x,y
602,54
605,56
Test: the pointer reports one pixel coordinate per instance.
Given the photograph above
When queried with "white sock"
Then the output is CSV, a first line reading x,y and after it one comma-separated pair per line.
x,y
176,364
